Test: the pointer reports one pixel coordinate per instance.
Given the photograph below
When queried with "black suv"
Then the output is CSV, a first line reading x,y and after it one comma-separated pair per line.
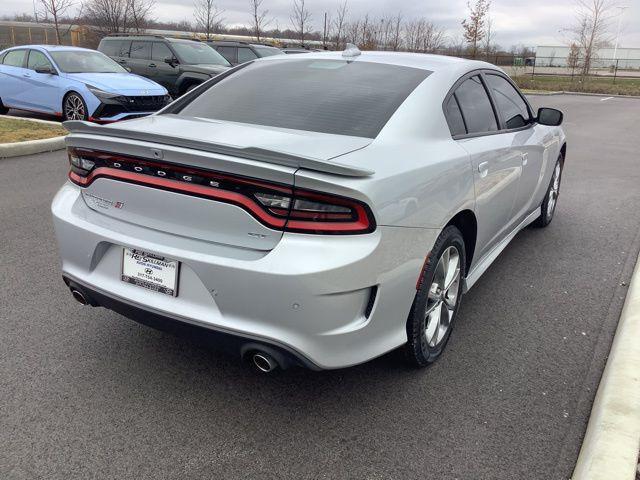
x,y
240,52
176,64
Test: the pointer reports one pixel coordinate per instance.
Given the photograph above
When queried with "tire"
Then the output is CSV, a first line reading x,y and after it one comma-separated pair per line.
x,y
550,201
74,107
3,109
428,334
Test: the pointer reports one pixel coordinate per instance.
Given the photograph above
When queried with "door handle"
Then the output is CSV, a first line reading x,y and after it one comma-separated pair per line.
x,y
152,65
26,74
483,169
525,158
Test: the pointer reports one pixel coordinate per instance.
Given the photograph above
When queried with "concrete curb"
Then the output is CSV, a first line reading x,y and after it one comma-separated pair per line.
x,y
612,441
31,147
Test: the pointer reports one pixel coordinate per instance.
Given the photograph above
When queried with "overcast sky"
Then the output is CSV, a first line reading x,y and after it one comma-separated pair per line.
x,y
528,22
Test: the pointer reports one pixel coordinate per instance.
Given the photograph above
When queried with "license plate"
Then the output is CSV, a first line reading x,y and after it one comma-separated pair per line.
x,y
150,271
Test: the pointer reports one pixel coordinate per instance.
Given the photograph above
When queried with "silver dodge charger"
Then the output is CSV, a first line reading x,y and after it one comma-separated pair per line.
x,y
315,210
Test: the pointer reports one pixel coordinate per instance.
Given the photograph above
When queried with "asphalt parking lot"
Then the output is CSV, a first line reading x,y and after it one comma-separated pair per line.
x,y
85,393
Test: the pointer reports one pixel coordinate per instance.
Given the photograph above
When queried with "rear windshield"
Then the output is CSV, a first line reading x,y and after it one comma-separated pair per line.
x,y
328,96
267,51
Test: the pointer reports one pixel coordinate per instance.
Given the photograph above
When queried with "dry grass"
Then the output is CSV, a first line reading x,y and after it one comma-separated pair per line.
x,y
13,130
623,86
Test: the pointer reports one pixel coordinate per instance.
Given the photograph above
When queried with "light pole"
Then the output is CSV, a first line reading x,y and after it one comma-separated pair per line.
x,y
615,49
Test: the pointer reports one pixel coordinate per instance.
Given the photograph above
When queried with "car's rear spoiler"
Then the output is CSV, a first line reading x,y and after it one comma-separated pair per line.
x,y
250,153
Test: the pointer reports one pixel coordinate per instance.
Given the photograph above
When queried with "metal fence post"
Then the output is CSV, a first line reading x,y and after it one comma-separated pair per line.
x,y
533,72
615,71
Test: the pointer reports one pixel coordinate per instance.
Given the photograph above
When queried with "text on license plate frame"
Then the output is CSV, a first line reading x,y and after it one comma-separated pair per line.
x,y
164,282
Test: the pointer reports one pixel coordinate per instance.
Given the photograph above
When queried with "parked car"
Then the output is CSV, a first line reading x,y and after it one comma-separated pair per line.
x,y
75,84
241,52
178,65
339,204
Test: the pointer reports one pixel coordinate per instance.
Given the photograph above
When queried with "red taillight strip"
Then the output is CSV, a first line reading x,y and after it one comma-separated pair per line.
x,y
242,195
362,224
192,189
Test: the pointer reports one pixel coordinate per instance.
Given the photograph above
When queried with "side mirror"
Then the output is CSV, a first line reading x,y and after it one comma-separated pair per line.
x,y
45,70
171,61
550,116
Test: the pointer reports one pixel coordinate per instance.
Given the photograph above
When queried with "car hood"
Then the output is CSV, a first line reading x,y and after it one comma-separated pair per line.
x,y
208,69
123,83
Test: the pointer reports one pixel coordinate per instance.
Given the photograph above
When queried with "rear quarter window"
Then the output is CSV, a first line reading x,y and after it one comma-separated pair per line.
x,y
476,107
14,58
327,96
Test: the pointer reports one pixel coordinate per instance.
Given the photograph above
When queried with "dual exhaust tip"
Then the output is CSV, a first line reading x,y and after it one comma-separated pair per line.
x,y
79,296
262,361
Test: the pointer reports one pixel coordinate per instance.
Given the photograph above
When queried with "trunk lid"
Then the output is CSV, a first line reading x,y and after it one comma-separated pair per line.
x,y
153,202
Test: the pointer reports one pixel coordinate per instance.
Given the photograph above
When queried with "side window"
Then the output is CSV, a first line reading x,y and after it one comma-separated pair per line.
x,y
111,48
141,50
38,59
476,106
512,107
454,117
160,51
245,54
228,52
14,58
125,46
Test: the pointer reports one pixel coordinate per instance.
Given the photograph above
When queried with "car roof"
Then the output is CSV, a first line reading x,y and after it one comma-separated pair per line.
x,y
52,48
233,43
425,61
150,38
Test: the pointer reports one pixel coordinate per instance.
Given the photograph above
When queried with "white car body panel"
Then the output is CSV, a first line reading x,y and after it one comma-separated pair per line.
x,y
302,292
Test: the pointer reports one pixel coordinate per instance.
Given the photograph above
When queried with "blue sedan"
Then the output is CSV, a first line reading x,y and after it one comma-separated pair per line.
x,y
75,84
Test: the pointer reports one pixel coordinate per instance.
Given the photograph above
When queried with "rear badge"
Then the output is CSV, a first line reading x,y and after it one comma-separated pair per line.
x,y
101,203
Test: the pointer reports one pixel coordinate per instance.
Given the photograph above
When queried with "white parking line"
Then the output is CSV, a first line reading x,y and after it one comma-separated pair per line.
x,y
607,98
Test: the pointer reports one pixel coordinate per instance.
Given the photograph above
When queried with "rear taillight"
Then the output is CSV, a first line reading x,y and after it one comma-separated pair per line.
x,y
280,207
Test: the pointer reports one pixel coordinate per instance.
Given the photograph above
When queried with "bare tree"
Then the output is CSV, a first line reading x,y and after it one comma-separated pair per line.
x,y
207,16
489,36
474,26
396,38
108,16
573,58
259,19
138,13
340,24
300,19
590,32
56,9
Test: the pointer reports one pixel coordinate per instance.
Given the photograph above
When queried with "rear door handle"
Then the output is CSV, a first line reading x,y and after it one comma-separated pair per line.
x,y
483,169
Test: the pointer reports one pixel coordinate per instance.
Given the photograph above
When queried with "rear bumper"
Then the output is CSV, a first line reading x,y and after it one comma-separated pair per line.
x,y
310,296
226,341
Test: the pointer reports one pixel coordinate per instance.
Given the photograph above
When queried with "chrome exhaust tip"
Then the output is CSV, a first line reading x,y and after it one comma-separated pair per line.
x,y
264,362
78,295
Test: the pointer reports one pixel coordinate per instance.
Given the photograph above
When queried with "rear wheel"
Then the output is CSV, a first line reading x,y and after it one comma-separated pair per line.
x,y
437,300
74,107
550,200
3,109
